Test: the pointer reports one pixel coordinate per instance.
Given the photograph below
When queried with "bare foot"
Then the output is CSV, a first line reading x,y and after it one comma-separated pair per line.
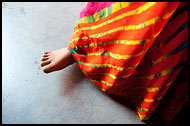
x,y
56,60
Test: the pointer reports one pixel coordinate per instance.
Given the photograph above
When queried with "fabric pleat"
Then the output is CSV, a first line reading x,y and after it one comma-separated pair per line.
x,y
137,51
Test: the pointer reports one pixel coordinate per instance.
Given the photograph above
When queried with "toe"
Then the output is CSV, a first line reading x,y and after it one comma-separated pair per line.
x,y
45,62
44,58
48,68
46,52
46,55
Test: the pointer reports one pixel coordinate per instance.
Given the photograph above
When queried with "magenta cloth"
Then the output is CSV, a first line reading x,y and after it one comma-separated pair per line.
x,y
93,7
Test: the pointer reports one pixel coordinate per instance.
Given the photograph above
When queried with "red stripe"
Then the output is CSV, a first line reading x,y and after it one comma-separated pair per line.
x,y
129,20
145,112
106,70
139,82
129,8
141,103
145,94
121,48
172,27
169,112
103,59
124,35
174,43
156,69
182,4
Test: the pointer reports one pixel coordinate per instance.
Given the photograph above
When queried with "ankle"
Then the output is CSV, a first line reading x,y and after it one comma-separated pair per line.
x,y
71,58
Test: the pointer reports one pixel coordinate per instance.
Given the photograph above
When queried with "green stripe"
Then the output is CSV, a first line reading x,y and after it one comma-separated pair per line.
x,y
173,35
164,72
145,109
101,14
107,65
114,55
106,83
121,28
120,5
174,51
125,42
146,88
109,10
90,18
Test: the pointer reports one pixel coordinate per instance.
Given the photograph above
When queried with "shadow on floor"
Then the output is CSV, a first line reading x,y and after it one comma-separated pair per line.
x,y
76,76
122,102
181,117
71,78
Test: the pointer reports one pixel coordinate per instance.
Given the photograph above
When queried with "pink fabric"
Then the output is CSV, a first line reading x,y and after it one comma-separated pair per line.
x,y
93,7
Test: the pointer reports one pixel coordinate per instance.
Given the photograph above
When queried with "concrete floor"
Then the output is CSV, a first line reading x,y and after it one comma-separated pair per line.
x,y
67,96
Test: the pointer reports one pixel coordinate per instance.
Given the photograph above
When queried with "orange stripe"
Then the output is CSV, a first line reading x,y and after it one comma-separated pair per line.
x,y
135,82
176,56
129,20
169,30
175,42
109,70
101,60
104,27
127,72
133,6
117,48
145,94
132,82
123,35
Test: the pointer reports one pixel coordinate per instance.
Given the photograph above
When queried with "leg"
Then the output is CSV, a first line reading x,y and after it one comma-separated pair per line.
x,y
56,60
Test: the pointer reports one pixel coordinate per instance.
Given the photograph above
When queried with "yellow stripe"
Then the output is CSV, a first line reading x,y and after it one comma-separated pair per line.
x,y
110,75
109,65
144,117
144,99
130,13
152,100
125,42
148,89
105,11
129,27
150,77
114,55
122,68
152,89
106,65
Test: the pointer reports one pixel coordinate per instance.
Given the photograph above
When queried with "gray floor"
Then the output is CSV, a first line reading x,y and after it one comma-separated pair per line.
x,y
29,95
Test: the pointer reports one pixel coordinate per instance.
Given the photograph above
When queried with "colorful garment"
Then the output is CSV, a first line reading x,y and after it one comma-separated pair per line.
x,y
135,50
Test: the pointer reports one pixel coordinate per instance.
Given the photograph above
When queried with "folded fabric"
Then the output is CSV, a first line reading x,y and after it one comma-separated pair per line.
x,y
135,50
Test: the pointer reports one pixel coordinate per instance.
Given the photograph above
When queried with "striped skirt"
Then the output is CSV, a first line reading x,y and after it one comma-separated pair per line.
x,y
137,51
